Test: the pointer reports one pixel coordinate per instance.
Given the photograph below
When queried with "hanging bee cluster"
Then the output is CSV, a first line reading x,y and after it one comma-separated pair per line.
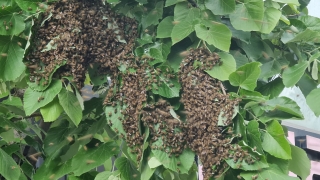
x,y
204,102
76,34
168,133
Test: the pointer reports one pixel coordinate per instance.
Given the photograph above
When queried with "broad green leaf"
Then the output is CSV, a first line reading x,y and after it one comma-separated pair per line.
x,y
239,127
168,88
115,118
11,54
252,95
103,175
165,27
311,22
32,6
186,160
259,160
8,168
238,34
220,7
240,58
181,30
181,11
34,100
87,159
313,101
305,36
300,163
270,19
294,2
270,173
293,74
223,71
272,89
127,169
218,35
152,18
56,138
246,76
256,48
254,135
12,23
154,162
275,142
314,70
146,171
13,101
282,164
248,16
172,2
306,84
269,68
51,111
70,105
52,169
282,107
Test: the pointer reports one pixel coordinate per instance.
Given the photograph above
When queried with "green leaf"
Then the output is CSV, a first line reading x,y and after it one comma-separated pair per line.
x,y
270,173
272,89
218,35
13,101
9,168
172,2
275,142
248,16
11,54
305,36
168,88
51,111
12,23
293,74
103,175
165,27
31,5
306,84
246,76
181,11
56,138
152,18
181,30
34,100
300,163
71,105
312,23
127,169
220,7
240,58
282,107
238,34
186,160
115,118
313,101
270,19
154,162
223,71
294,2
254,136
87,159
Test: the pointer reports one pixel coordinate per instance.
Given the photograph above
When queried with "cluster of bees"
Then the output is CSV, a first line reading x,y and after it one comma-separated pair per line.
x,y
204,99
81,33
75,35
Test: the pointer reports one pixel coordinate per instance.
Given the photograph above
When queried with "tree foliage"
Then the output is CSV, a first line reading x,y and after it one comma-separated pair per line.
x,y
172,79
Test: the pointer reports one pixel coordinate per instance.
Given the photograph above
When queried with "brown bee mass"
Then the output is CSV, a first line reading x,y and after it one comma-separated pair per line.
x,y
78,33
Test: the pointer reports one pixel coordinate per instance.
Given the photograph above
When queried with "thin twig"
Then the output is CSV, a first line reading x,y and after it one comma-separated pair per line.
x,y
223,89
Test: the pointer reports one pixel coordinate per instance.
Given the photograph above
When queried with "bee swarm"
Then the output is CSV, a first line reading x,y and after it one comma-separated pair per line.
x,y
82,33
